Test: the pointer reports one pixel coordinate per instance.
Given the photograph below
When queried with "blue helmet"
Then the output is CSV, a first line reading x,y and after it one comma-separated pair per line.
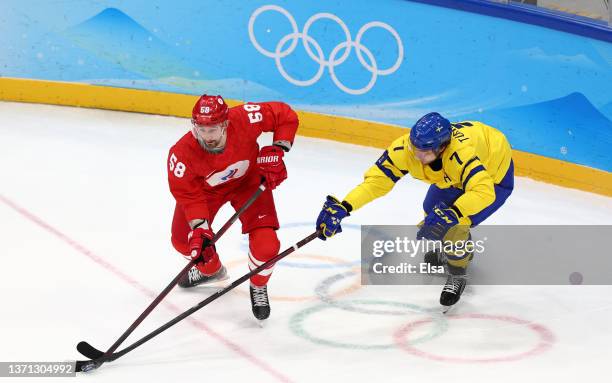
x,y
430,132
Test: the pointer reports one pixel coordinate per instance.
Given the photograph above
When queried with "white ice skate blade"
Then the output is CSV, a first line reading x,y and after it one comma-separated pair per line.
x,y
260,323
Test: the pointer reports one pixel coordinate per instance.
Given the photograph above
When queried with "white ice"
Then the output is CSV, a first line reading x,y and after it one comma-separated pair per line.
x,y
85,217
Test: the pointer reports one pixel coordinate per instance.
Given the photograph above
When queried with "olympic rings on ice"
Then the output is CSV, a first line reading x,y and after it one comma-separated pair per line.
x,y
404,337
401,337
296,323
281,51
545,342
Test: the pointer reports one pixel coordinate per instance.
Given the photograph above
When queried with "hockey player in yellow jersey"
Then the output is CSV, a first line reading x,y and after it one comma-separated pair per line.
x,y
470,169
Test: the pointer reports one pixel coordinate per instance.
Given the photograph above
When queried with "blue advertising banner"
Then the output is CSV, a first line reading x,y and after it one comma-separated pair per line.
x,y
391,62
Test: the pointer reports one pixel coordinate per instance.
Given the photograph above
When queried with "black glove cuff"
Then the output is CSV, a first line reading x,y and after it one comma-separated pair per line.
x,y
348,207
202,223
456,210
284,145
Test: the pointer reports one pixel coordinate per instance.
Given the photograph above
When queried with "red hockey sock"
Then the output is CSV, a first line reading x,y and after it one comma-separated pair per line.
x,y
264,245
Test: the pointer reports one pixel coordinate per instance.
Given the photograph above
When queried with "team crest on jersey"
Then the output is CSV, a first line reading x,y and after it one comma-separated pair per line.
x,y
229,175
233,171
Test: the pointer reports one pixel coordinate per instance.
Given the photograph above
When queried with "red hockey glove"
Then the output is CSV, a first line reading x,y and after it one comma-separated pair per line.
x,y
199,239
272,166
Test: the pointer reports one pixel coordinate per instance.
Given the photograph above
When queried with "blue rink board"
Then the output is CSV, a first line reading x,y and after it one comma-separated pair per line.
x,y
547,90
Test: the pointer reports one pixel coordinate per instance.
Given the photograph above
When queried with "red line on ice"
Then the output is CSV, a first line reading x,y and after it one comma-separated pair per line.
x,y
110,267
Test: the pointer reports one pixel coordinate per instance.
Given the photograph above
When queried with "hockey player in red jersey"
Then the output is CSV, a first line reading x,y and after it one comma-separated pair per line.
x,y
219,161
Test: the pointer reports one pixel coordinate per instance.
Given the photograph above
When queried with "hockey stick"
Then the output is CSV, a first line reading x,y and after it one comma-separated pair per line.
x,y
89,365
91,352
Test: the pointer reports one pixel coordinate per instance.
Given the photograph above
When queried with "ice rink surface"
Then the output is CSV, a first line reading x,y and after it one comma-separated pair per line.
x,y
85,217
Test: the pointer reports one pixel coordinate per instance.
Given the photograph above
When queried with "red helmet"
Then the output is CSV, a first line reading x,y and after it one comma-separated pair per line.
x,y
209,110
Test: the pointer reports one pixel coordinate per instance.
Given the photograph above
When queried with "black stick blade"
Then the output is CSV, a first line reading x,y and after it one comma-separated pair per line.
x,y
86,365
88,350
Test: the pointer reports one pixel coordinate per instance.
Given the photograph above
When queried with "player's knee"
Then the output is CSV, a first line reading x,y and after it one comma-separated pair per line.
x,y
263,243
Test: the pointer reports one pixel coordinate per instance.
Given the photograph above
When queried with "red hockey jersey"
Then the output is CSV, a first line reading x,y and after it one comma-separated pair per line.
x,y
193,172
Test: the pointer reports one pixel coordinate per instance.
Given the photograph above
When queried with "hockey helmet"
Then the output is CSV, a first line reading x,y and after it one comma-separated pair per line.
x,y
209,110
430,132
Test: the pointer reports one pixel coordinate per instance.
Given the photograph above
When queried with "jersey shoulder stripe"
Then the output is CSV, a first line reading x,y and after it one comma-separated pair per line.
x,y
386,171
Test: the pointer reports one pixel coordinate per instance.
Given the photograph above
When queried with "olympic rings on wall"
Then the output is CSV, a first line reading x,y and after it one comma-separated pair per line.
x,y
281,51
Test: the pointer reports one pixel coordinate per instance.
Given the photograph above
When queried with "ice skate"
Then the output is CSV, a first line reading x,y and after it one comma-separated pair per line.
x,y
451,293
195,277
259,302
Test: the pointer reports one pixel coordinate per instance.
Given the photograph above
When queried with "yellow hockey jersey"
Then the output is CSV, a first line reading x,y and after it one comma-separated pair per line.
x,y
477,157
